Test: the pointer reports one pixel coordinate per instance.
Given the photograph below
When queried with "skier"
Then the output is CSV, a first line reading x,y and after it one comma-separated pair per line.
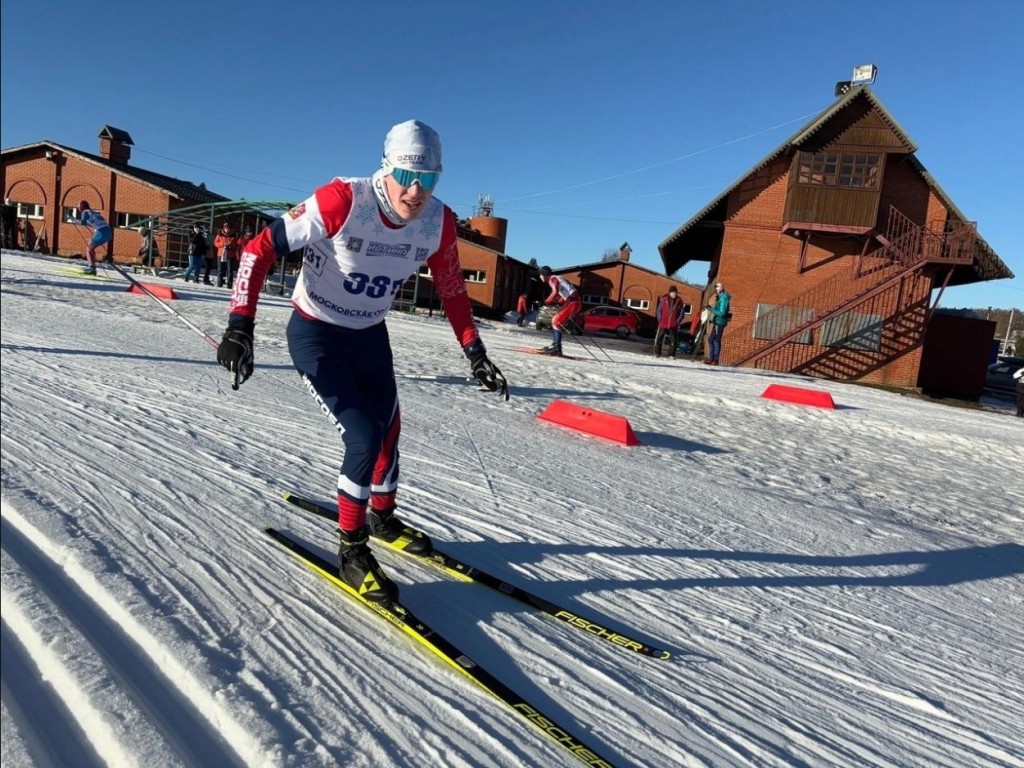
x,y
101,234
567,296
362,239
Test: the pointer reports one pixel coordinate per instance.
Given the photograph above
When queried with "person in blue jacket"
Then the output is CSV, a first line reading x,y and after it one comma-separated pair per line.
x,y
101,234
720,316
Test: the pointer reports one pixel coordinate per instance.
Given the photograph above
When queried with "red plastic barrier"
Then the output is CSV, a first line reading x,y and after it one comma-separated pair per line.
x,y
592,422
799,395
160,291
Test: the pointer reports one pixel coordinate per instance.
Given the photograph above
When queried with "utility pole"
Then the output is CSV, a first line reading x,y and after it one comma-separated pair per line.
x,y
1006,339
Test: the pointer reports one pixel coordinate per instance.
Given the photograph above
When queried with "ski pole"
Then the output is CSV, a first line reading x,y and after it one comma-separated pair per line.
x,y
192,326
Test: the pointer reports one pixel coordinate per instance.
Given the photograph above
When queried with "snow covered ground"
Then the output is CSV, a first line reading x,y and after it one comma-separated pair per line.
x,y
838,588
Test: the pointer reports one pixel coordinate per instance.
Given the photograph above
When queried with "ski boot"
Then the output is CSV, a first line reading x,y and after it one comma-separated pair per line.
x,y
359,569
386,526
552,350
89,271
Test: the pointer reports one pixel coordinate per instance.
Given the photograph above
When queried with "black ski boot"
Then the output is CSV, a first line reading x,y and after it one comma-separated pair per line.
x,y
386,526
552,350
359,569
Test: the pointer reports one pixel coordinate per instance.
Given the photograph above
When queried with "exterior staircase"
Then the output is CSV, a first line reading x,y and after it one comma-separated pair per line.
x,y
850,324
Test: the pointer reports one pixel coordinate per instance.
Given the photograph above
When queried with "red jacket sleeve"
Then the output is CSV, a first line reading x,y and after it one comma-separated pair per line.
x,y
450,284
317,218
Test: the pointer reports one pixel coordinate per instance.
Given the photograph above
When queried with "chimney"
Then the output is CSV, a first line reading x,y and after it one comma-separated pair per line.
x,y
115,145
624,251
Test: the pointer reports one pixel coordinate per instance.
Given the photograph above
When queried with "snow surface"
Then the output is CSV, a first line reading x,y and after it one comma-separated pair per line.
x,y
838,588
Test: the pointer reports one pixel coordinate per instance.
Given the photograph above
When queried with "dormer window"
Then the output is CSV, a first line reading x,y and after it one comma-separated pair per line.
x,y
839,169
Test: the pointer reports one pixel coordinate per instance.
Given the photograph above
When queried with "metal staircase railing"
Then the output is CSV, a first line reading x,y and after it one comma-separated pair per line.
x,y
850,307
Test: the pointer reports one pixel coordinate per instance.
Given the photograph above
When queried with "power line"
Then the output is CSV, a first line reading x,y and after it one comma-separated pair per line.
x,y
658,165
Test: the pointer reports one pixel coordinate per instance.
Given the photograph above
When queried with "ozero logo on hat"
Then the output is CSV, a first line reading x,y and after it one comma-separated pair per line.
x,y
414,146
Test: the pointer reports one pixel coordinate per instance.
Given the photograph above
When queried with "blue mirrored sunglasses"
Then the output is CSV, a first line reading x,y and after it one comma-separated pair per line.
x,y
405,178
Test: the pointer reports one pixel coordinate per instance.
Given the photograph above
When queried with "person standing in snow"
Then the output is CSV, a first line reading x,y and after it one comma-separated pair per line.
x,y
719,318
521,309
197,248
101,234
225,242
566,295
363,238
669,315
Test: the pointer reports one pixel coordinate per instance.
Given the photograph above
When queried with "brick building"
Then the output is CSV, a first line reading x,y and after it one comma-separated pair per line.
x,y
45,181
831,247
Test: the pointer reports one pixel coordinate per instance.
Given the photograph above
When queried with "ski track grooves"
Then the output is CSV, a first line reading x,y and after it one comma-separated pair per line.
x,y
194,724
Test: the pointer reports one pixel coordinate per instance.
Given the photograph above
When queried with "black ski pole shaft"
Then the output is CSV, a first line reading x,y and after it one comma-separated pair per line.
x,y
192,326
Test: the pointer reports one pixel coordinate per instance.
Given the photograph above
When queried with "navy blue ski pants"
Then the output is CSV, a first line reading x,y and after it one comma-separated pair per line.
x,y
350,373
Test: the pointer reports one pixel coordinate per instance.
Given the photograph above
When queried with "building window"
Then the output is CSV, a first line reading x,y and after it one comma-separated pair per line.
x,y
129,220
29,210
69,212
687,309
853,330
474,275
772,322
818,168
859,171
832,169
589,298
641,304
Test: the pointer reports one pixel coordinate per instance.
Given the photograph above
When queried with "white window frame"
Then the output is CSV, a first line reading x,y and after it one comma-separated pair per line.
x,y
639,304
36,209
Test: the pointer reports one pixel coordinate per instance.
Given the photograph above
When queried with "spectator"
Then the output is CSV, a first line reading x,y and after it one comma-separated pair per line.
x,y
337,334
101,234
225,243
566,295
197,248
720,317
521,309
145,244
208,257
669,315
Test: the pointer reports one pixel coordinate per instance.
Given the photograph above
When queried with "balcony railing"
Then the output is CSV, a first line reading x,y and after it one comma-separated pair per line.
x,y
860,307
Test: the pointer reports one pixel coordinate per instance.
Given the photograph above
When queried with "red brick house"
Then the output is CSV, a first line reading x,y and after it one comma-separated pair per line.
x,y
831,247
45,182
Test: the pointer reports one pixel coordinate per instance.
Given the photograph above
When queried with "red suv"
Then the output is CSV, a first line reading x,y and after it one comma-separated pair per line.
x,y
621,322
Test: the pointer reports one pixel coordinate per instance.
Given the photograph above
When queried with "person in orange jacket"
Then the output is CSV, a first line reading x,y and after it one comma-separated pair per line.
x,y
226,242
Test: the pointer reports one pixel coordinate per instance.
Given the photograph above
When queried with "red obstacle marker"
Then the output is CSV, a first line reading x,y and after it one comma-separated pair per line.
x,y
592,422
160,291
799,395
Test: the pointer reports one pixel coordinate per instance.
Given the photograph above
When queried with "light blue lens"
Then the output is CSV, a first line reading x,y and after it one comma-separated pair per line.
x,y
405,178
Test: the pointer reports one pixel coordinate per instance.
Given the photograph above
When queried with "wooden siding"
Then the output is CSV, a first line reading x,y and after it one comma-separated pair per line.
x,y
831,205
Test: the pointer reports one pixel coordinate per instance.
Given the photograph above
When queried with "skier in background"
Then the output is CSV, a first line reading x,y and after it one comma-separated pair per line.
x,y
101,234
362,239
566,295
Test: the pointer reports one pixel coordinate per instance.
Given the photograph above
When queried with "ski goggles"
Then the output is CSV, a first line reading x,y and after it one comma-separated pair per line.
x,y
406,178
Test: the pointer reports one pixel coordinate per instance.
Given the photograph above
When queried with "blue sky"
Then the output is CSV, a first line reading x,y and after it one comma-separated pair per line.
x,y
588,123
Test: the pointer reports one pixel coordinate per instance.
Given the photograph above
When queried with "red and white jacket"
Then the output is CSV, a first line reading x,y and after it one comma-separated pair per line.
x,y
355,260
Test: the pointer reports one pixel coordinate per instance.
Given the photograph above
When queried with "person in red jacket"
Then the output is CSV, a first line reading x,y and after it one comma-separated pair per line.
x,y
362,239
669,315
521,309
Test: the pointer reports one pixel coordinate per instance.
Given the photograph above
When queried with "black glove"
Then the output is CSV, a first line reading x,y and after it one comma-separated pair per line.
x,y
487,373
235,350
